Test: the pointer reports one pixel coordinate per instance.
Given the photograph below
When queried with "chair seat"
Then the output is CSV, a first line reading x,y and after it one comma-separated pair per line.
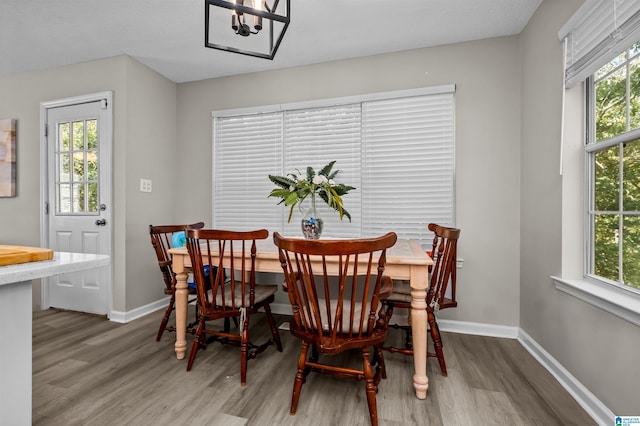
x,y
262,292
346,327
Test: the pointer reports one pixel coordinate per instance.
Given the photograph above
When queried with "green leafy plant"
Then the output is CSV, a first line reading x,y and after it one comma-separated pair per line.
x,y
294,188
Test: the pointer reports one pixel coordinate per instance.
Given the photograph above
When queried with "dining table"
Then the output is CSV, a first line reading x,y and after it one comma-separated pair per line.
x,y
406,260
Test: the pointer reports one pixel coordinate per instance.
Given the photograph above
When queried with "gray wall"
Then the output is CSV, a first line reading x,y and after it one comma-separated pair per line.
x,y
487,78
599,349
144,145
150,153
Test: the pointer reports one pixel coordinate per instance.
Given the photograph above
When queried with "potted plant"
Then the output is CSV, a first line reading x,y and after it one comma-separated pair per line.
x,y
294,188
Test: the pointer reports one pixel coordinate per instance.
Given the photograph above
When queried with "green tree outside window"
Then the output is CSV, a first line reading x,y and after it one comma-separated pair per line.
x,y
616,171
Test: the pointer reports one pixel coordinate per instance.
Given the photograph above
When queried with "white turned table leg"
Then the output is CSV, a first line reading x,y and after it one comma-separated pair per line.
x,y
182,299
419,329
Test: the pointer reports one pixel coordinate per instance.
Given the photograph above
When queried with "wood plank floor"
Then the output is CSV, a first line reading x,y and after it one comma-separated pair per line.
x,y
89,371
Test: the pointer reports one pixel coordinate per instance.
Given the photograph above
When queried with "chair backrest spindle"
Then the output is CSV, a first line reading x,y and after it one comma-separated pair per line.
x,y
334,285
217,251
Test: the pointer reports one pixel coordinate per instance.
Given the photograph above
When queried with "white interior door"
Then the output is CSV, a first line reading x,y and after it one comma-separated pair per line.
x,y
79,144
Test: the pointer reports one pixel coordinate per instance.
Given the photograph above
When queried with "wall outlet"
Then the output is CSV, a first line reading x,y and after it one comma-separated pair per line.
x,y
145,185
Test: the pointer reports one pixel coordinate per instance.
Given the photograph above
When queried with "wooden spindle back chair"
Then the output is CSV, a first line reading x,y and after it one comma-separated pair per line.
x,y
442,278
223,265
337,291
161,241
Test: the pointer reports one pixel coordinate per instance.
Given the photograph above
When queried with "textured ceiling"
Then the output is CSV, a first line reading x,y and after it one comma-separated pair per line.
x,y
168,35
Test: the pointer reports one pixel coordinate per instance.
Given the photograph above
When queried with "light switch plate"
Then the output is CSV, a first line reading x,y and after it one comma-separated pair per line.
x,y
145,185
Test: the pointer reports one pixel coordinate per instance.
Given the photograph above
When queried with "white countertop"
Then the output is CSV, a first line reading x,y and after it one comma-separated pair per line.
x,y
61,263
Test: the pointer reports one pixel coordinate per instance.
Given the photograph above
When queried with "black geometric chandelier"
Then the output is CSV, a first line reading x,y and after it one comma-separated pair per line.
x,y
247,27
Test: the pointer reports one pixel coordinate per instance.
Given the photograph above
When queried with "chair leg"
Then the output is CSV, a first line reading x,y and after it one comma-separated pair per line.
x,y
200,337
244,350
378,358
165,318
437,341
227,324
371,388
408,340
272,325
315,355
389,312
300,377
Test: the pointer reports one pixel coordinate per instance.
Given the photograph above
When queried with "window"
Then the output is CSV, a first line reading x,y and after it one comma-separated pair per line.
x,y
613,164
76,153
598,44
396,148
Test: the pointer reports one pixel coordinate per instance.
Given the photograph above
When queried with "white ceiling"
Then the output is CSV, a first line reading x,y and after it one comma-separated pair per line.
x,y
168,35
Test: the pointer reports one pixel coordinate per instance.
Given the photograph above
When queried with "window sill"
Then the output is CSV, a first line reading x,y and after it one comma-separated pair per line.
x,y
621,303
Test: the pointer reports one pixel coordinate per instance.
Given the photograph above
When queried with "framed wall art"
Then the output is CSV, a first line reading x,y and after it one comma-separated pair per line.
x,y
7,157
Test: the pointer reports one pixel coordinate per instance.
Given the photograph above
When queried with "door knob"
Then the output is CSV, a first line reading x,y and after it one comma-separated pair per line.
x,y
101,222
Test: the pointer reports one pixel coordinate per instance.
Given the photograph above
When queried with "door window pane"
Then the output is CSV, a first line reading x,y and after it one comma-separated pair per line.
x,y
92,134
63,136
82,197
77,202
78,166
92,165
64,167
78,135
64,198
92,200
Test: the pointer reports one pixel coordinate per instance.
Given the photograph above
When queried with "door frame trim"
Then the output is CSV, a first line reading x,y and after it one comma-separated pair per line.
x,y
44,173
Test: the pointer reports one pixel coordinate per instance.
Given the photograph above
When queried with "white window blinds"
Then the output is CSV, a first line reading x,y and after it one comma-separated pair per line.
x,y
246,150
397,149
596,34
315,137
408,165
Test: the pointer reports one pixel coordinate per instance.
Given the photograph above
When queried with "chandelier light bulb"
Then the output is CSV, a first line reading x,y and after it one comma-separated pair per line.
x,y
257,20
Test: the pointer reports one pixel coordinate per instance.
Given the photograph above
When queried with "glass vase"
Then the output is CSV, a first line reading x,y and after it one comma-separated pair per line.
x,y
311,224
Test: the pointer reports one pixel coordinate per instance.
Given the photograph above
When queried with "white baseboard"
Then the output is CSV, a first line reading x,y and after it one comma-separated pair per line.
x,y
588,401
125,317
478,329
